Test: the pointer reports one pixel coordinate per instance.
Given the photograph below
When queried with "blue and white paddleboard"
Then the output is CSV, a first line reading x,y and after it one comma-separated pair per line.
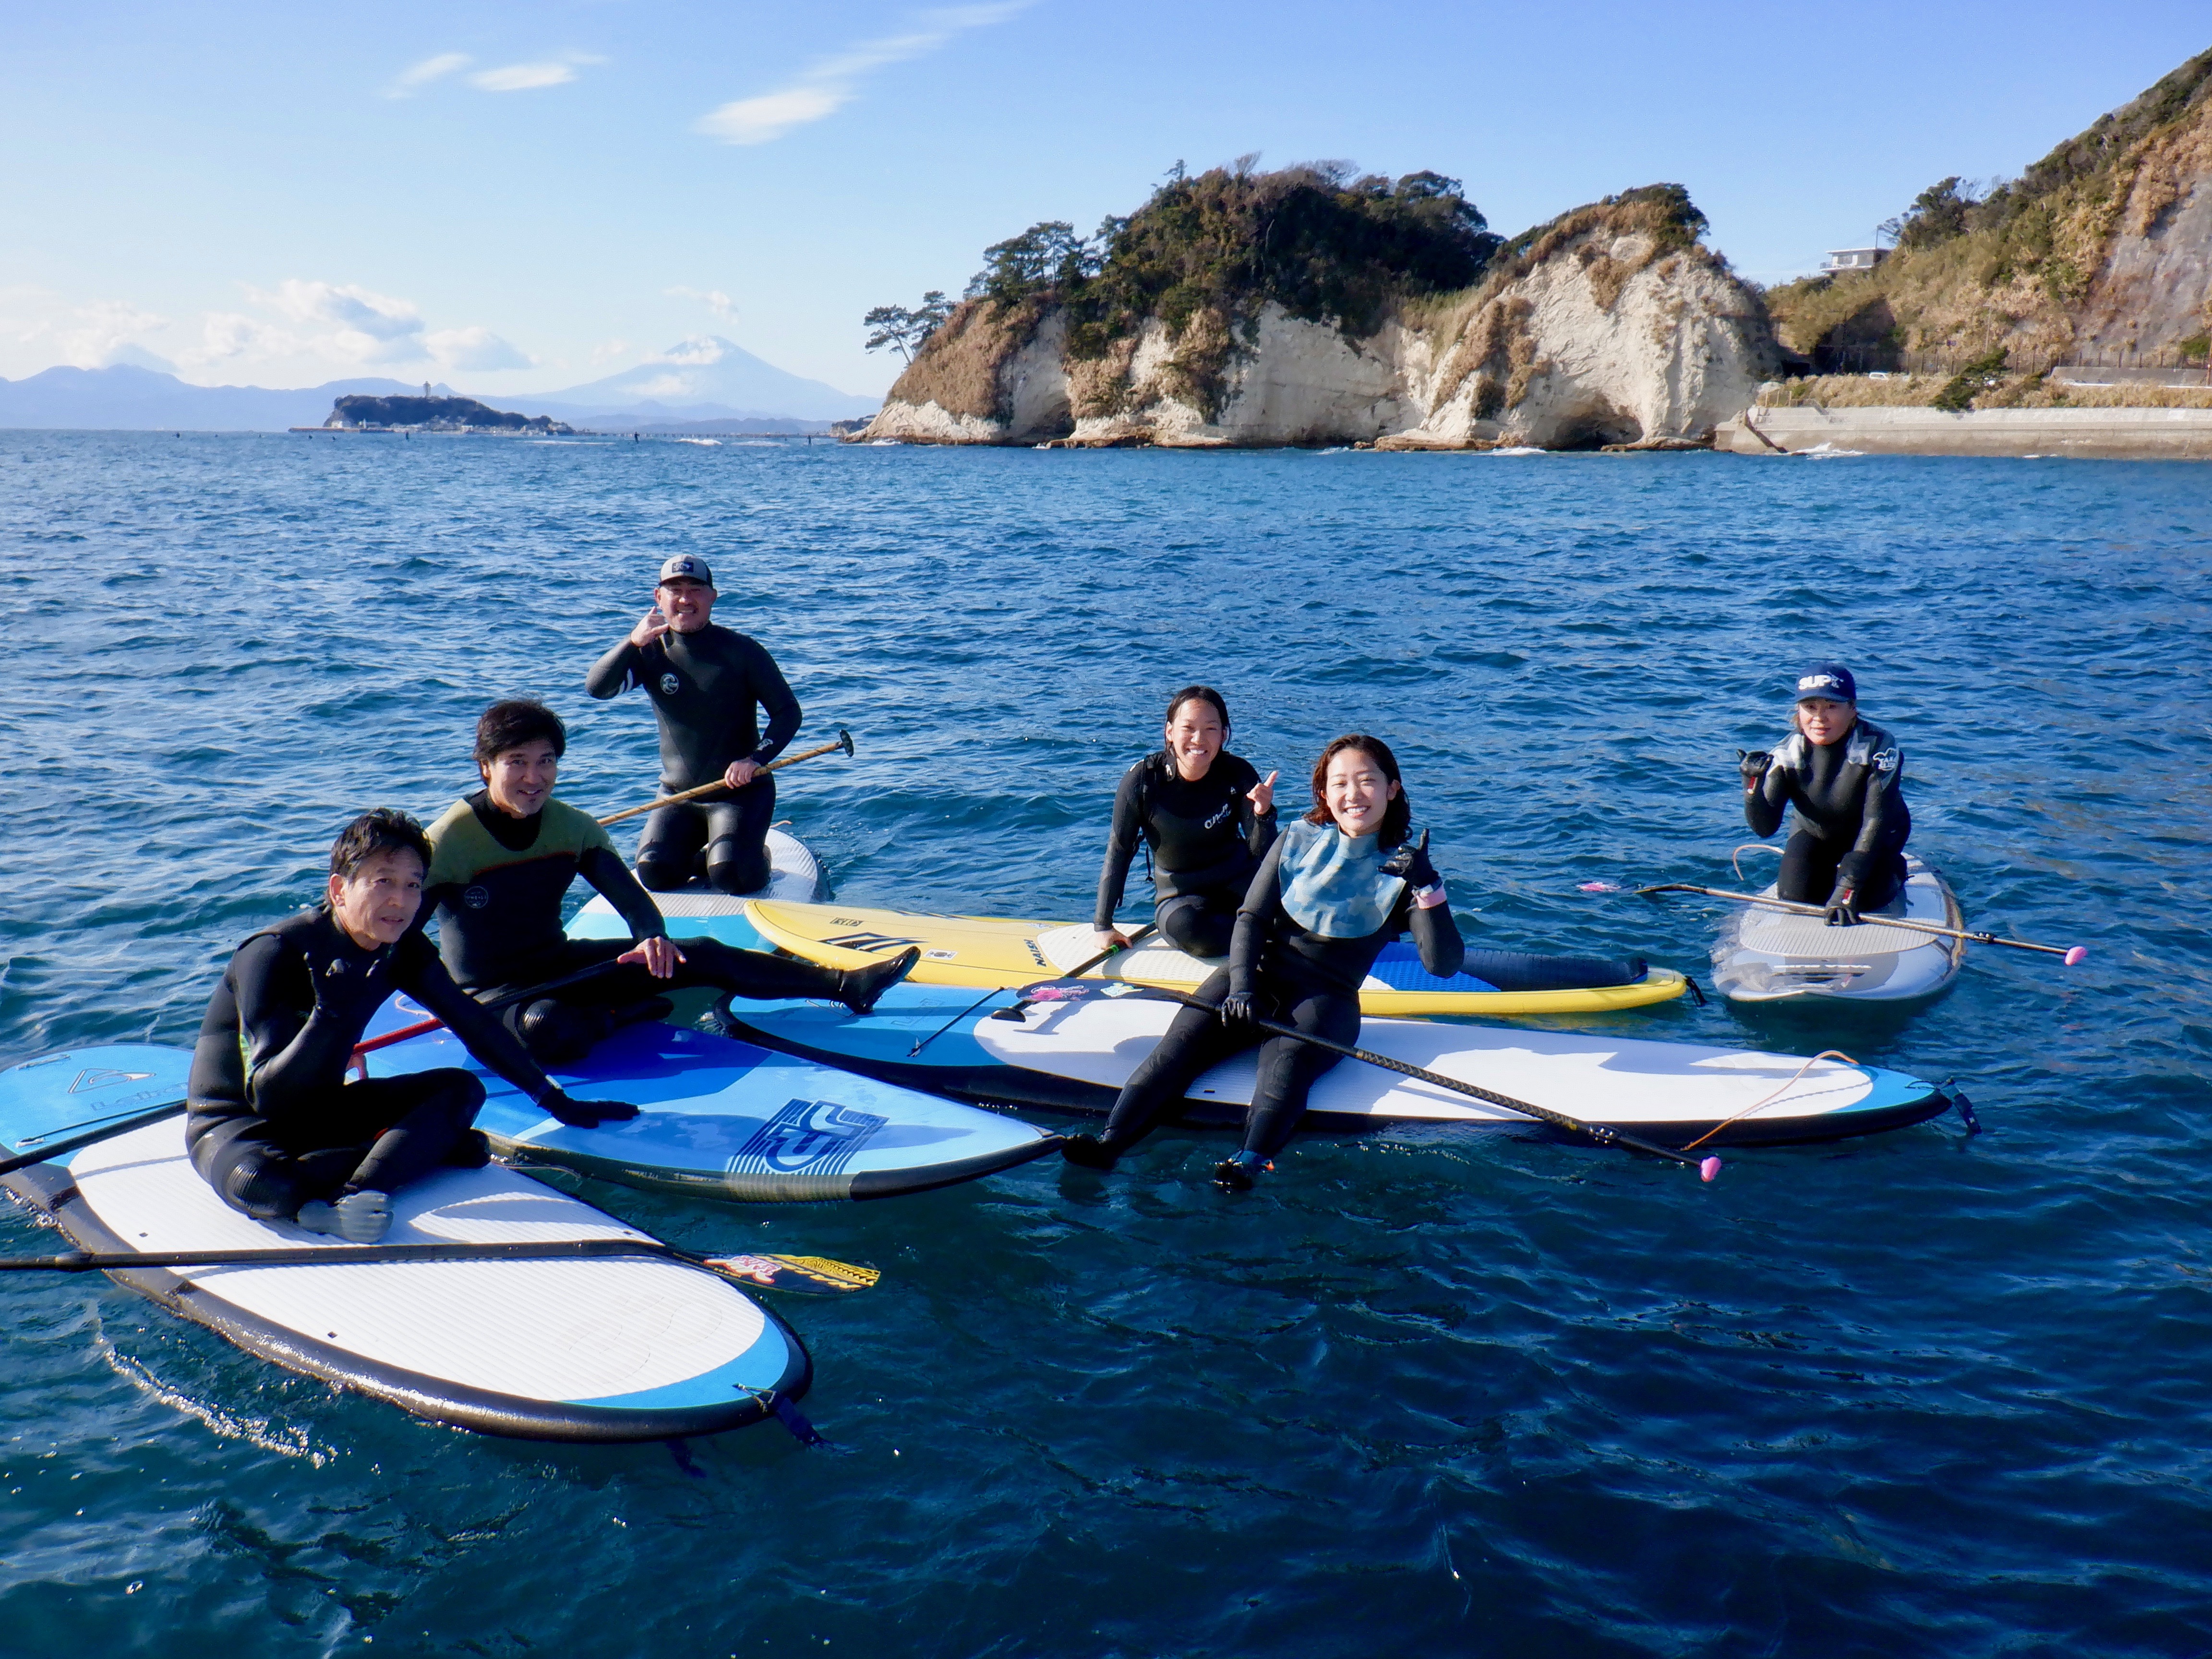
x,y
730,1120
794,876
1075,1053
623,1348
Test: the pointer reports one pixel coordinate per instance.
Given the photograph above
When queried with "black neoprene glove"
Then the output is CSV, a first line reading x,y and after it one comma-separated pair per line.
x,y
1841,910
351,992
585,1114
1752,762
1239,1008
1411,861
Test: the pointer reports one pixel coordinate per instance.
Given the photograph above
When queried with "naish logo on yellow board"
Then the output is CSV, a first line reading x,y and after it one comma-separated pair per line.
x,y
880,942
102,1077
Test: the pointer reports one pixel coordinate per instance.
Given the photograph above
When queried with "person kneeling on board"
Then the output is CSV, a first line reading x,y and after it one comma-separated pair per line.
x,y
273,1125
705,682
1335,889
1846,778
1206,819
500,861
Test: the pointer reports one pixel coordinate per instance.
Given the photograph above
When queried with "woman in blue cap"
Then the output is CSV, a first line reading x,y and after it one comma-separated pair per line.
x,y
1846,778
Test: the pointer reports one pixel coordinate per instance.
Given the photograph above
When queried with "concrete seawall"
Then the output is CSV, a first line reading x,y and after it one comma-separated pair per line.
x,y
2120,434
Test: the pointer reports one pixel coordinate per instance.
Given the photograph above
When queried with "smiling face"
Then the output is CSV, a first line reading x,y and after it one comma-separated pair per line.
x,y
521,779
1824,721
1194,736
1357,792
687,603
376,904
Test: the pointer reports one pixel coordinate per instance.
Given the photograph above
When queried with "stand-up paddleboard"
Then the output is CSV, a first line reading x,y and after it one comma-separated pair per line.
x,y
989,952
622,1348
727,1120
1768,955
794,877
1075,1055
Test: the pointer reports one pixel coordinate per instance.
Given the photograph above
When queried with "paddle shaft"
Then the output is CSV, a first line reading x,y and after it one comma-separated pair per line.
x,y
75,1143
370,1045
1080,969
844,742
1601,1133
323,1255
1761,900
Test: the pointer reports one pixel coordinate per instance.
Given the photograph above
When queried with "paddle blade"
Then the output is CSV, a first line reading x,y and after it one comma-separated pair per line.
x,y
2074,956
802,1275
1708,1168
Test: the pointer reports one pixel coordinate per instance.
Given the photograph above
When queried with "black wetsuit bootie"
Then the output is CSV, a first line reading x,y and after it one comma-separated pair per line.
x,y
1088,1152
362,1218
472,1151
1236,1174
859,988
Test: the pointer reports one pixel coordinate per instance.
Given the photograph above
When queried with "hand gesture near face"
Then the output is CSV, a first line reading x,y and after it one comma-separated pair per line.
x,y
650,627
1262,794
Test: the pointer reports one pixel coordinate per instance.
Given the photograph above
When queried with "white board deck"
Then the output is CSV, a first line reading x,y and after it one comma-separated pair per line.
x,y
1619,1081
604,1349
1766,956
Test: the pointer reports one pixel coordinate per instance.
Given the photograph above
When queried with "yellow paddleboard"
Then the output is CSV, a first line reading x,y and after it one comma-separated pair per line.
x,y
995,953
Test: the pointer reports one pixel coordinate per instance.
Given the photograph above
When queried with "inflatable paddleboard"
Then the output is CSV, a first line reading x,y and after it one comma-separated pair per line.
x,y
988,952
626,1348
1768,955
794,877
1075,1055
728,1120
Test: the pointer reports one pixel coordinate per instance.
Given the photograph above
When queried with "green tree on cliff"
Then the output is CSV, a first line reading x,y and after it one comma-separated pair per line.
x,y
904,330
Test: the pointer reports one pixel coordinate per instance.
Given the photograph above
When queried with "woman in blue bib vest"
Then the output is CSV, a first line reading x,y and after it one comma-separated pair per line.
x,y
1334,889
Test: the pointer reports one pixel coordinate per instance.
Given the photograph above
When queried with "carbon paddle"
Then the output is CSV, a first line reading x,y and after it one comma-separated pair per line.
x,y
805,1275
1076,972
92,1137
2072,953
844,742
1604,1135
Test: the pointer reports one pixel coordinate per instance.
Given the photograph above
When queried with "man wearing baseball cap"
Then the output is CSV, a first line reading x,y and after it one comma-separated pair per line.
x,y
706,682
1846,776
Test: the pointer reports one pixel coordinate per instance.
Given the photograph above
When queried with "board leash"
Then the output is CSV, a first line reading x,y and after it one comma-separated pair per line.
x,y
1076,972
91,1137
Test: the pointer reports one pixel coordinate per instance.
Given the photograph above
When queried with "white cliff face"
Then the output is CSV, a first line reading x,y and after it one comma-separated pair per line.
x,y
1604,339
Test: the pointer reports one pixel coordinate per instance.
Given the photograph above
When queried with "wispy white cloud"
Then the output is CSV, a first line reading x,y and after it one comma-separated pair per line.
x,y
714,299
351,321
87,334
528,77
834,82
430,69
474,350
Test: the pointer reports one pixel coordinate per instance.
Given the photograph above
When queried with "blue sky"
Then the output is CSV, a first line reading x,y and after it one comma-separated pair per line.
x,y
521,197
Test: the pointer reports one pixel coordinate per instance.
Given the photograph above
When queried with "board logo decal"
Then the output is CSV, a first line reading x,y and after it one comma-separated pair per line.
x,y
942,956
100,1078
882,943
818,1137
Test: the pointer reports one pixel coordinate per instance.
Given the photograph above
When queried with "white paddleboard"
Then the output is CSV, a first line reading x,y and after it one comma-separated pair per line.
x,y
1669,1089
794,876
1769,955
587,1350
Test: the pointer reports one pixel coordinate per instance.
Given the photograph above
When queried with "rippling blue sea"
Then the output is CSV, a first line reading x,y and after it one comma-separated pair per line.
x,y
1451,1393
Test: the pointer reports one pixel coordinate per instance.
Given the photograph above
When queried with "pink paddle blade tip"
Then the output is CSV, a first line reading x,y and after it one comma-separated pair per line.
x,y
1600,887
1708,1168
2074,958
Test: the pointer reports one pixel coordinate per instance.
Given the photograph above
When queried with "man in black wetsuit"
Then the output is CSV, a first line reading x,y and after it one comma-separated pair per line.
x,y
502,860
274,1127
1846,776
706,682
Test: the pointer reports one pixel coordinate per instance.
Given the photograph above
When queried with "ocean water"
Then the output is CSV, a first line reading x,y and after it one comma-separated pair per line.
x,y
1444,1392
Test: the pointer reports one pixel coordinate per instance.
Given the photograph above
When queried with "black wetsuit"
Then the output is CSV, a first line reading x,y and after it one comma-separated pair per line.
x,y
273,1122
1297,978
495,886
1205,840
705,688
1852,821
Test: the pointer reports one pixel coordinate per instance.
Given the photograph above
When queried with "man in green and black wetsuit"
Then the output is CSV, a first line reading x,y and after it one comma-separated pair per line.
x,y
706,682
500,862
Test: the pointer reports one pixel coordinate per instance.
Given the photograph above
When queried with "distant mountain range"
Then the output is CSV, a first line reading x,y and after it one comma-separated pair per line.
x,y
704,381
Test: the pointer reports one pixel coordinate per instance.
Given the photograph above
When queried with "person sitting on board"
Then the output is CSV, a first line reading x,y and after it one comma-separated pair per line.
x,y
706,684
1206,819
273,1125
1846,778
502,860
1336,887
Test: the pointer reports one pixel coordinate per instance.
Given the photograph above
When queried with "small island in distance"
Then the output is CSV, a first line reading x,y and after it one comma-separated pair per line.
x,y
358,413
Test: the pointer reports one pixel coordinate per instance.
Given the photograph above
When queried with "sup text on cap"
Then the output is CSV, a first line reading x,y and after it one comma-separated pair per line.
x,y
1830,680
687,568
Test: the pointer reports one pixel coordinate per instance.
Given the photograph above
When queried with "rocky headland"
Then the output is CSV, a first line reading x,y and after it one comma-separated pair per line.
x,y
450,414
